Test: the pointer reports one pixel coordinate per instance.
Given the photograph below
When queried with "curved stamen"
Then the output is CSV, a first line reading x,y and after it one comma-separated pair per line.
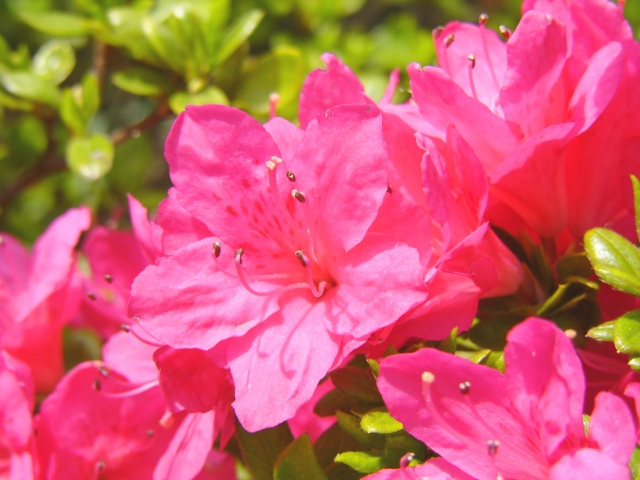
x,y
317,292
482,21
131,393
274,99
621,4
243,280
470,67
394,79
505,32
139,336
272,165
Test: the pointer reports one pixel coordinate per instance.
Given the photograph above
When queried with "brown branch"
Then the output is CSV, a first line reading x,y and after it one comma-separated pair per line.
x,y
122,134
100,60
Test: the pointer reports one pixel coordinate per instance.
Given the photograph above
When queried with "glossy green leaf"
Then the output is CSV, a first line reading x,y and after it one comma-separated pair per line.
x,y
141,81
238,33
333,401
298,461
375,367
626,333
333,441
31,87
399,444
615,260
351,424
380,421
57,24
603,332
634,464
636,202
361,461
576,264
358,384
90,95
210,95
260,450
449,344
634,363
54,61
14,103
91,157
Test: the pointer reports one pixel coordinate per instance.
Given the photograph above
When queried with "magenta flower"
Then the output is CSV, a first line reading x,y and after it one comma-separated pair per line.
x,y
541,111
282,262
39,294
434,469
16,425
524,424
116,257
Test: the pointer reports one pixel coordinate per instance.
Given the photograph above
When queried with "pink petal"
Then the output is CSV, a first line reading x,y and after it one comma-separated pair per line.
x,y
218,466
286,135
545,381
186,302
179,226
536,55
434,469
612,429
126,354
148,234
306,421
277,365
324,89
588,463
345,143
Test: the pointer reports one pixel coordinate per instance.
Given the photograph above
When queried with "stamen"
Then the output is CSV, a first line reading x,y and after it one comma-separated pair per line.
x,y
139,336
104,371
465,388
243,280
482,21
291,176
97,385
406,459
167,420
394,79
449,40
1,240
150,433
92,296
571,333
108,278
437,32
272,165
472,65
505,32
317,292
298,195
492,447
132,393
389,189
274,99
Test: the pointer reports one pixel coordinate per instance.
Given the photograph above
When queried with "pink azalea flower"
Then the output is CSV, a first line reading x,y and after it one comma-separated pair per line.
x,y
116,257
434,469
524,424
16,429
291,275
39,294
540,109
306,421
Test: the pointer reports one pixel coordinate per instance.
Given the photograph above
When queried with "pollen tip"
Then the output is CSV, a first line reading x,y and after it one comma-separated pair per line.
x,y
91,296
298,195
571,333
238,256
428,377
291,176
465,388
483,19
108,278
97,385
492,447
217,249
437,32
472,61
302,257
150,433
505,32
449,40
406,459
104,371
125,328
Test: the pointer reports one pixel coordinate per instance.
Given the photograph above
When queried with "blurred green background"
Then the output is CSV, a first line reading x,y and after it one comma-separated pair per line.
x,y
89,88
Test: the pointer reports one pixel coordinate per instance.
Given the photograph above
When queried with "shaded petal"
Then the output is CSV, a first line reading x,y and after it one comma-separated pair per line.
x,y
186,302
179,226
132,358
277,365
612,428
148,234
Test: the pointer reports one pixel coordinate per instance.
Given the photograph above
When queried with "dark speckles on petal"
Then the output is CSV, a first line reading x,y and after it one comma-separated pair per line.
x,y
231,210
245,183
258,206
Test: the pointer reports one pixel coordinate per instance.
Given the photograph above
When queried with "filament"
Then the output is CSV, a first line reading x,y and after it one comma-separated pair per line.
x,y
131,393
485,48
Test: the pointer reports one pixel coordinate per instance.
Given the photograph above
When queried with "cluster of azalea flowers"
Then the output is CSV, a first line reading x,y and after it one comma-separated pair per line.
x,y
282,251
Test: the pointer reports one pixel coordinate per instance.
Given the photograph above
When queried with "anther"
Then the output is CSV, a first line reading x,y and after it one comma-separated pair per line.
x,y
483,19
108,278
571,333
238,256
301,257
1,240
428,377
437,32
472,61
406,459
91,296
217,248
505,32
389,189
273,162
492,447
104,371
298,195
465,388
97,385
291,176
449,40
125,328
150,433
101,465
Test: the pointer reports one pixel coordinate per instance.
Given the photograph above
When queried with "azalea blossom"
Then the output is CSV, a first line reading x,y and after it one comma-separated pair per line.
x,y
526,423
39,293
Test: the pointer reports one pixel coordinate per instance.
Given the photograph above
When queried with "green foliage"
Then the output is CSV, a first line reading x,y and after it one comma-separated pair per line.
x,y
262,449
298,461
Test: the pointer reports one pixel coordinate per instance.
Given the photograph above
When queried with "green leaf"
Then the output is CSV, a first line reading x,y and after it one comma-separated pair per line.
x,y
90,95
626,333
210,95
141,81
634,363
379,420
603,332
375,367
449,344
615,260
30,86
54,61
351,424
401,443
260,450
340,471
14,103
634,464
79,104
333,401
358,384
238,33
333,441
636,202
298,461
361,461
57,24
576,264
79,345
91,157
